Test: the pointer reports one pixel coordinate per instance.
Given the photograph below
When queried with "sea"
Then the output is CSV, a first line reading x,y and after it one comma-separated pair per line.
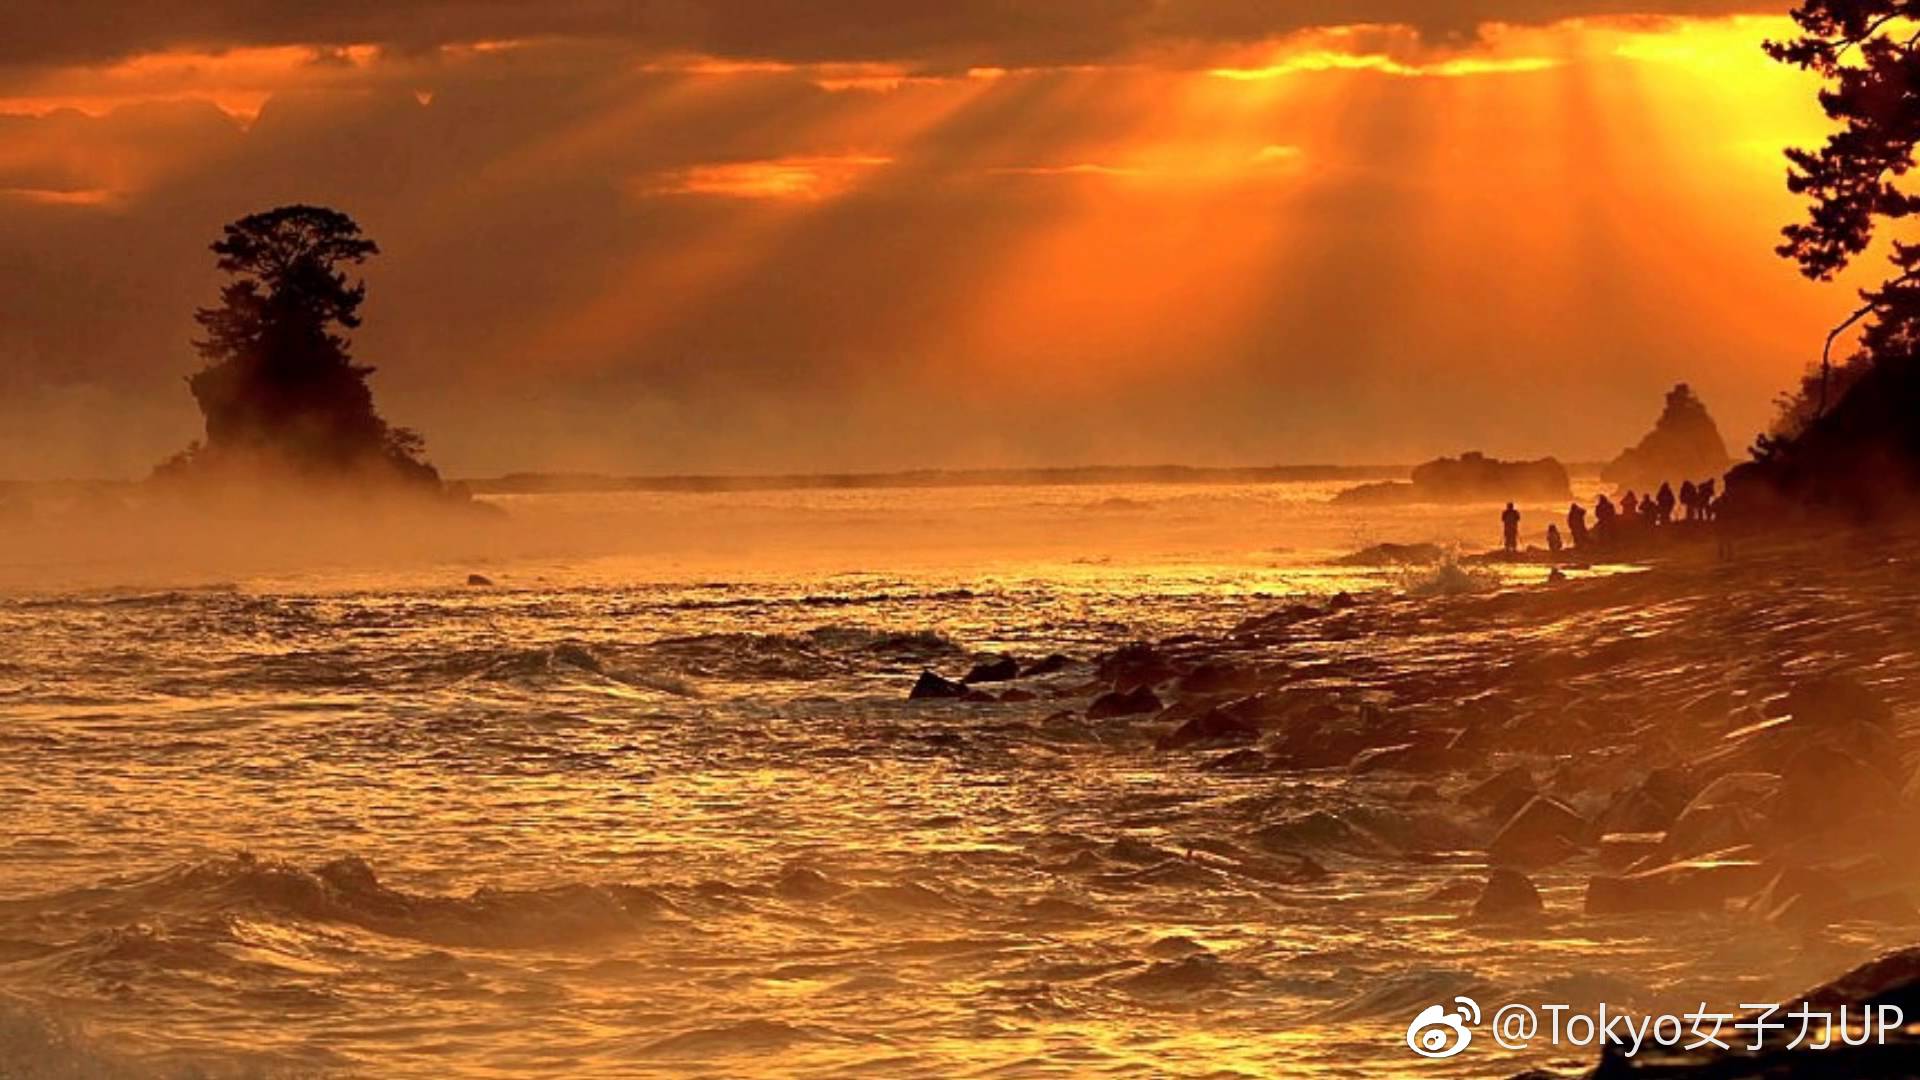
x,y
630,784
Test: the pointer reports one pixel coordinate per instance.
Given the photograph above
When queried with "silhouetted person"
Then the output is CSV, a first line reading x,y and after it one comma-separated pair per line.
x,y
1649,512
1510,521
1709,506
1664,504
1553,539
1690,498
1604,519
1577,524
1630,506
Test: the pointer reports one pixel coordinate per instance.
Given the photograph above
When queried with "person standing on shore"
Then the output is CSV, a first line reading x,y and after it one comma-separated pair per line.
x,y
1510,521
1690,498
1577,524
1665,505
1553,539
1603,515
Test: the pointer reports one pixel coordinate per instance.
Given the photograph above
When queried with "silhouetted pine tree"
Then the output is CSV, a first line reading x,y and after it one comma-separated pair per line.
x,y
1859,449
281,389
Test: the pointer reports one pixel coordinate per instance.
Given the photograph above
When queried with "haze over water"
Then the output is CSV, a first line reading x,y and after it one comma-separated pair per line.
x,y
663,806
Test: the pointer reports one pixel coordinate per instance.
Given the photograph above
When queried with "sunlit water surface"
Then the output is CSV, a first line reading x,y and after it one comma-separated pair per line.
x,y
655,802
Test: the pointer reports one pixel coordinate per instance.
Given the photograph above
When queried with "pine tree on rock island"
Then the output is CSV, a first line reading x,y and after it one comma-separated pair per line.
x,y
281,393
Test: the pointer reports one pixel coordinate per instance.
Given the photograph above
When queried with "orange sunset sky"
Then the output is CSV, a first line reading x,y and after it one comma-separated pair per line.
x,y
853,234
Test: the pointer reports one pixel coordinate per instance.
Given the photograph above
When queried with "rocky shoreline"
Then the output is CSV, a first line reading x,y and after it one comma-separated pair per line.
x,y
1726,741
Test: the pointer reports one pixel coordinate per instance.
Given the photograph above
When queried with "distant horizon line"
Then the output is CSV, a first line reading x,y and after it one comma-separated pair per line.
x,y
572,481
536,483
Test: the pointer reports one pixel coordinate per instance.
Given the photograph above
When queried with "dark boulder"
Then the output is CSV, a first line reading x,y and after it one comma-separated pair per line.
x,y
479,580
1830,700
1508,894
1216,677
997,669
1503,794
1118,703
1691,885
1213,728
1049,665
1134,666
1684,444
1542,833
932,687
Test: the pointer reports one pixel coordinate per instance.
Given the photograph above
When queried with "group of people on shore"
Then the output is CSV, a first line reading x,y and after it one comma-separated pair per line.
x,y
1636,516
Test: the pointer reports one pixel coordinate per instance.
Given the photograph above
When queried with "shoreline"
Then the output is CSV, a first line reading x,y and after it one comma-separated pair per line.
x,y
1702,745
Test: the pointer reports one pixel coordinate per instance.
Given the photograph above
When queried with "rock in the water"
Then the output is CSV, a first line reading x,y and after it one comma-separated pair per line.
x,y
1543,832
998,669
479,580
1392,555
1238,761
1048,665
1509,894
1119,703
1502,794
932,687
1015,695
1216,677
1134,666
1691,885
1213,728
1725,813
1410,757
1832,700
1684,444
1823,788
1469,477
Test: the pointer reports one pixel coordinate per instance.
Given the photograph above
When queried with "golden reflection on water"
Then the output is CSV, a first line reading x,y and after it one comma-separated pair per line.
x,y
623,814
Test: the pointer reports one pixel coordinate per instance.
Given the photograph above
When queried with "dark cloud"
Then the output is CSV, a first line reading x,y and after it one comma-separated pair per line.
x,y
941,35
548,296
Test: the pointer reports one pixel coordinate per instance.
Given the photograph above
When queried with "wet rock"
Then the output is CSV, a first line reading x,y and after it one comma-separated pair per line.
x,y
1800,897
1543,832
1135,666
1412,757
1118,703
1216,677
1725,813
1049,665
979,697
1830,700
1319,830
1508,894
1341,601
1213,728
1502,794
1617,850
1823,788
1394,555
1017,696
1638,810
479,580
1691,885
1460,890
998,669
1238,761
931,687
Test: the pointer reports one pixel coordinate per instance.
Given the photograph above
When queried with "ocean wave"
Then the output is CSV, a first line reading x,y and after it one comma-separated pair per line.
x,y
558,661
818,653
343,892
